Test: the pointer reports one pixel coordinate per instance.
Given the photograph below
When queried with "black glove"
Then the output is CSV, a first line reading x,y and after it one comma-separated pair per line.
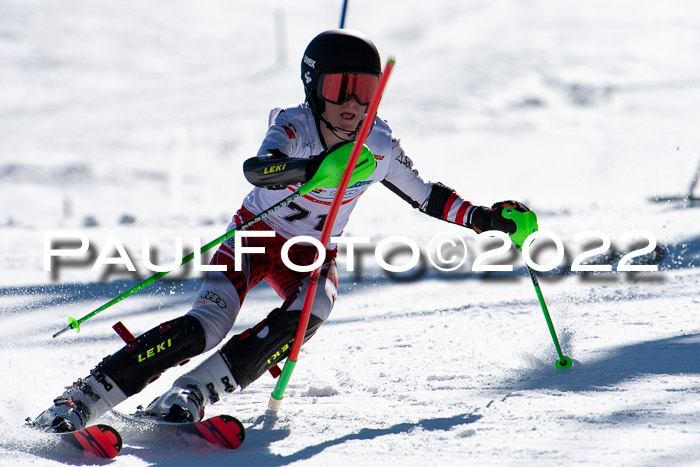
x,y
313,164
484,219
315,161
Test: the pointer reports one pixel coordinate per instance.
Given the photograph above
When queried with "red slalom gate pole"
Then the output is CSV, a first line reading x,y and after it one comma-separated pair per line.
x,y
365,128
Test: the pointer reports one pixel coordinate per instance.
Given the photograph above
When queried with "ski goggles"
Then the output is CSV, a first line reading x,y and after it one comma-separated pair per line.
x,y
337,88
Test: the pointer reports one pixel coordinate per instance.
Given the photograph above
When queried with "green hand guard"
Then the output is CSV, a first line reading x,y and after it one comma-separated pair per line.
x,y
525,222
331,170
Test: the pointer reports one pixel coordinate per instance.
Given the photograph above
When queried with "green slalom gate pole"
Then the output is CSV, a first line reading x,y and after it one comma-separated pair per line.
x,y
329,174
526,224
357,149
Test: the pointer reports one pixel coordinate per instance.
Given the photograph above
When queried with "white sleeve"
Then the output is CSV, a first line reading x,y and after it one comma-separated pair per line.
x,y
404,180
434,199
281,135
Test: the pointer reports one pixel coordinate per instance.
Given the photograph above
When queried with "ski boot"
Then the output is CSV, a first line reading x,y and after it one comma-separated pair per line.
x,y
185,401
177,405
82,403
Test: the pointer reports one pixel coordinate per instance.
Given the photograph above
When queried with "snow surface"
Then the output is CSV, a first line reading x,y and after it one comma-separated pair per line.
x,y
130,119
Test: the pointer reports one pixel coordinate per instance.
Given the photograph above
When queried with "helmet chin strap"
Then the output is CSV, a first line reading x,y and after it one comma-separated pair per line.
x,y
344,134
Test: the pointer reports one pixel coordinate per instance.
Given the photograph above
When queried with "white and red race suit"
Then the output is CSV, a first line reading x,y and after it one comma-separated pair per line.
x,y
295,133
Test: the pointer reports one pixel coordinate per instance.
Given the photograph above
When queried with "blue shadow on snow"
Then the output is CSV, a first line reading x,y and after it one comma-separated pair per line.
x,y
678,355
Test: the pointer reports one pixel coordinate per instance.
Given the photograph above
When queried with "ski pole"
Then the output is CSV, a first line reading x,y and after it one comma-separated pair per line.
x,y
342,14
526,224
328,174
358,147
693,184
75,323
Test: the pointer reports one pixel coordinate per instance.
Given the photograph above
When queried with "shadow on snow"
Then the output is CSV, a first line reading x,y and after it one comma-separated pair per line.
x,y
256,451
263,433
671,356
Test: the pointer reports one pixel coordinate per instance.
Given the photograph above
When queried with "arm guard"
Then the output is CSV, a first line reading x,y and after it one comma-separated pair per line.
x,y
439,194
276,171
445,204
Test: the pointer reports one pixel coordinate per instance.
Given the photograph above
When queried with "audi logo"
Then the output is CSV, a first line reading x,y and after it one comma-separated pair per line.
x,y
209,295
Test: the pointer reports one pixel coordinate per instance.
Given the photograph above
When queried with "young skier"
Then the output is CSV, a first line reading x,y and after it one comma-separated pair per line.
x,y
340,71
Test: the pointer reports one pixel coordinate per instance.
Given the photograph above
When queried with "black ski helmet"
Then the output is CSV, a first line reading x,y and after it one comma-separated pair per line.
x,y
336,51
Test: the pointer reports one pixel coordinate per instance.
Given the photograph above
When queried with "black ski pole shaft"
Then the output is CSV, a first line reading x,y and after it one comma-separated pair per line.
x,y
694,183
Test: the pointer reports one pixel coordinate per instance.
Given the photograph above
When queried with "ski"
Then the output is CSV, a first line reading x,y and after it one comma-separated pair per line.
x,y
224,430
100,440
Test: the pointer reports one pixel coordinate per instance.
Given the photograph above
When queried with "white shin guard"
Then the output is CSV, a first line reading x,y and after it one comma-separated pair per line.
x,y
185,400
212,377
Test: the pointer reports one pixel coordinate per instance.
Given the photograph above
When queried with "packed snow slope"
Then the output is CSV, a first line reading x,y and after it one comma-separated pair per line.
x,y
126,120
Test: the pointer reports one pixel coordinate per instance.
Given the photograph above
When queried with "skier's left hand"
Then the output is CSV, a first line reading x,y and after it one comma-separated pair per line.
x,y
492,219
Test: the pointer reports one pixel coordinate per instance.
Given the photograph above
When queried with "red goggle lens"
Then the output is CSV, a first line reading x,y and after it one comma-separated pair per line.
x,y
339,87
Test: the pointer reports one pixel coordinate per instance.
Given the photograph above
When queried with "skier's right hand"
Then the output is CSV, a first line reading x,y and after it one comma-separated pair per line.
x,y
330,166
315,161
